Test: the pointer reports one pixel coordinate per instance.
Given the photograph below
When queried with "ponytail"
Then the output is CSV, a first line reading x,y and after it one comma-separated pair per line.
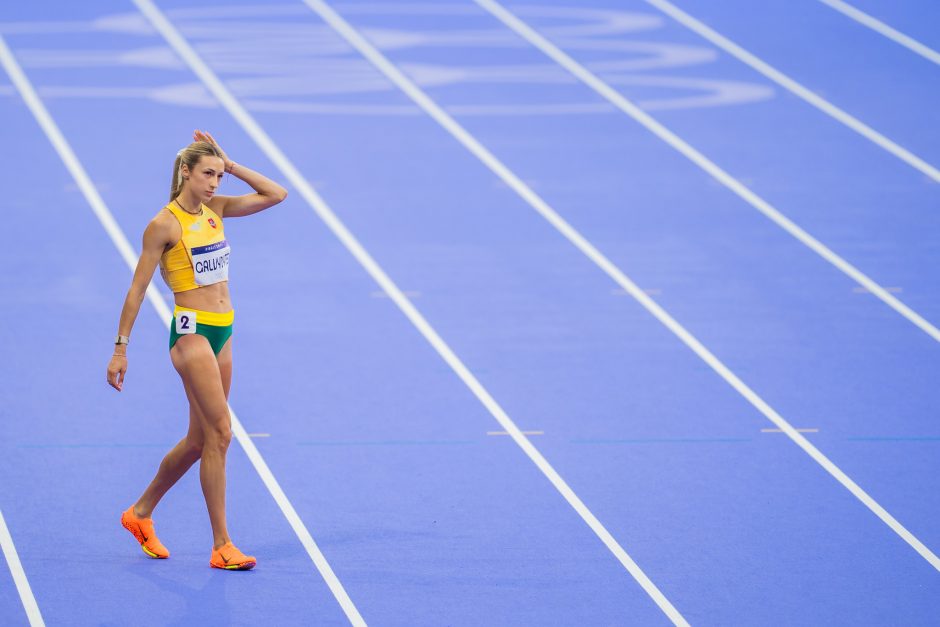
x,y
176,183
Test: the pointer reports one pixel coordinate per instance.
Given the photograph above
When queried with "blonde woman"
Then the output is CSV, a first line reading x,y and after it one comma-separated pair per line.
x,y
187,240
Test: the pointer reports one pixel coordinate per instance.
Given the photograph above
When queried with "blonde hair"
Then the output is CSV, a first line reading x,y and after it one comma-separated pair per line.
x,y
190,155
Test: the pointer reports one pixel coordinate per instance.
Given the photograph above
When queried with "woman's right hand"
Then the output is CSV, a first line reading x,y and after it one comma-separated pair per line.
x,y
116,370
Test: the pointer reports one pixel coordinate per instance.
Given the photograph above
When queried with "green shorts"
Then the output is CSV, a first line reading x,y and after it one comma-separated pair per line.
x,y
215,327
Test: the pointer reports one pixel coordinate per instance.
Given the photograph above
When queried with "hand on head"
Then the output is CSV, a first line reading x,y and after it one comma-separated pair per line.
x,y
202,136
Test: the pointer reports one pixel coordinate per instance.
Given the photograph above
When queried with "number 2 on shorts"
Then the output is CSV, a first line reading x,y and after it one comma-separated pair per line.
x,y
185,322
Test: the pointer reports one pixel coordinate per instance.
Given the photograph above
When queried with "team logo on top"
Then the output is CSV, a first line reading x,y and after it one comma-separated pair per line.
x,y
211,222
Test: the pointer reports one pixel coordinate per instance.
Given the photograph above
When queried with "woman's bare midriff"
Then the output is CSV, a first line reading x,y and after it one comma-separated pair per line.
x,y
214,298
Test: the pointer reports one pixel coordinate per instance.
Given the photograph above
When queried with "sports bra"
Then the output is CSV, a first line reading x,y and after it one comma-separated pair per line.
x,y
201,256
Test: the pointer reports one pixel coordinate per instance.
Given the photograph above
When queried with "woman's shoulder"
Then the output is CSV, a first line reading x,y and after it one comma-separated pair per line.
x,y
164,217
165,225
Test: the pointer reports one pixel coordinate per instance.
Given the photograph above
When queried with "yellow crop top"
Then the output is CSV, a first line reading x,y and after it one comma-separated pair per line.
x,y
201,256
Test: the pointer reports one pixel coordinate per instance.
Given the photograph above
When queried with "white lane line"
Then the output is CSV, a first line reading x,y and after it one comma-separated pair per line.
x,y
117,236
796,88
652,291
323,210
507,433
876,25
861,290
525,31
586,247
408,293
781,431
16,568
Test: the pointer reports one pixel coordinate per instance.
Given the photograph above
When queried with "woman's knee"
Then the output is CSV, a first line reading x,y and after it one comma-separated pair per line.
x,y
217,435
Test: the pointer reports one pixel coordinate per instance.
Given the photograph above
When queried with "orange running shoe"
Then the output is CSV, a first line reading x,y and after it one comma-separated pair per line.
x,y
142,528
230,558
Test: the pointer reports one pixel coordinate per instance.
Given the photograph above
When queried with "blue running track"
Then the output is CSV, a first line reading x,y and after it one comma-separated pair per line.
x,y
428,512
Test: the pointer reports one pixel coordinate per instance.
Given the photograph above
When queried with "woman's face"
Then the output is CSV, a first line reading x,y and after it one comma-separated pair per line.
x,y
204,179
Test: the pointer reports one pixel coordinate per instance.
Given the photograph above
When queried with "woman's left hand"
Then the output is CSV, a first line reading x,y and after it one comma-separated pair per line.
x,y
201,136
116,370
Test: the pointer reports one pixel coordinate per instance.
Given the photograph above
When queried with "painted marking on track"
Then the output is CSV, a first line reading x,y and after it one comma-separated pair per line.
x,y
92,445
813,430
408,293
858,289
699,159
98,206
658,440
653,291
305,44
522,432
615,273
73,187
792,86
13,561
880,27
501,184
398,78
386,442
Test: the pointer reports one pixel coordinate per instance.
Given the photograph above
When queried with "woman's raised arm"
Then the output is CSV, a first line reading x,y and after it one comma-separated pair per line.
x,y
267,192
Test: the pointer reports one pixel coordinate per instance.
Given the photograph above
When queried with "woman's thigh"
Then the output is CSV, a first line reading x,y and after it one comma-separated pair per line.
x,y
202,377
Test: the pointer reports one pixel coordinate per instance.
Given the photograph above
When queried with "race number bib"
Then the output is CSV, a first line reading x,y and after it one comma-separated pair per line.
x,y
210,263
185,322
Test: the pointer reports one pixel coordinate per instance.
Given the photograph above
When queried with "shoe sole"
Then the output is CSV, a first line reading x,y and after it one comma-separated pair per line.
x,y
242,566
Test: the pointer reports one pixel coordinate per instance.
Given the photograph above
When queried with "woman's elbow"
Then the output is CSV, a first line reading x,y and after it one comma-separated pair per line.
x,y
281,194
136,295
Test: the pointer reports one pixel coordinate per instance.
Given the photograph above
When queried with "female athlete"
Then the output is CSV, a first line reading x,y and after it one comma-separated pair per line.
x,y
187,239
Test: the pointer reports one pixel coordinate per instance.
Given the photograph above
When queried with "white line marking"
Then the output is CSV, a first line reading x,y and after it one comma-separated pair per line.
x,y
797,430
796,88
163,311
13,560
353,37
652,291
525,31
523,433
876,25
861,290
326,214
408,293
537,203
